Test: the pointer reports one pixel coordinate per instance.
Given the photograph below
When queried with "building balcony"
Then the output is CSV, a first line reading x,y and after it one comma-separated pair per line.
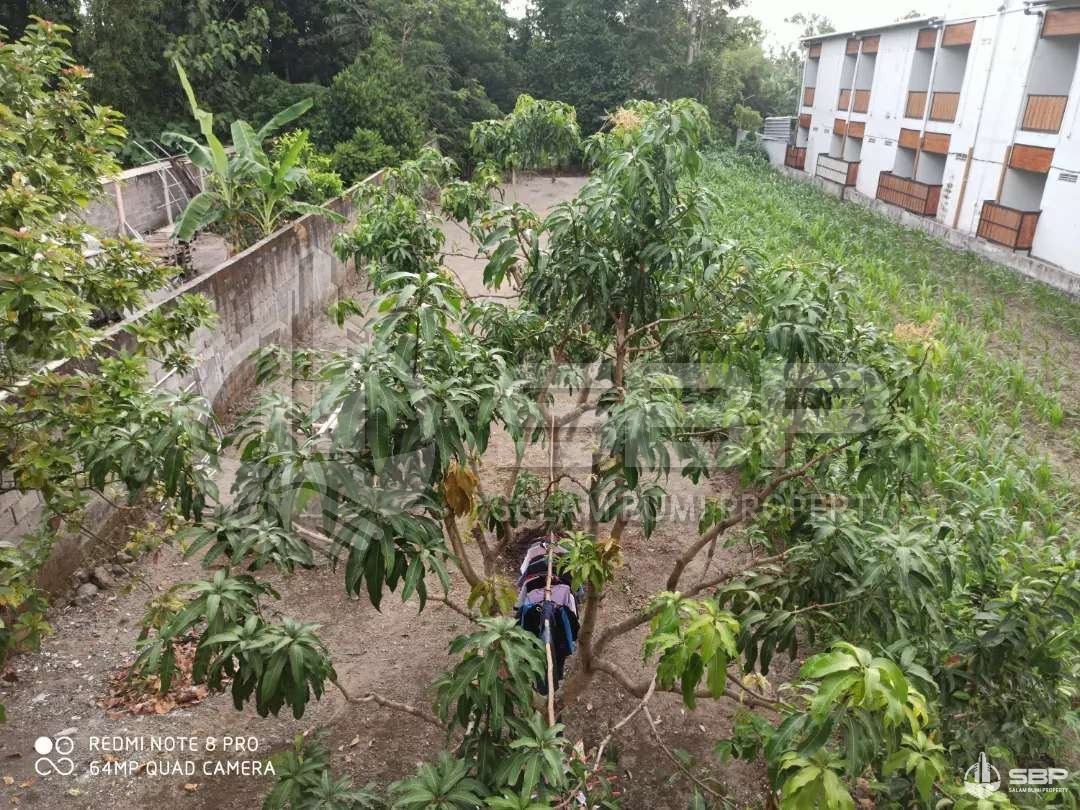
x,y
911,195
808,97
916,104
943,106
835,170
795,157
1044,113
861,102
1006,226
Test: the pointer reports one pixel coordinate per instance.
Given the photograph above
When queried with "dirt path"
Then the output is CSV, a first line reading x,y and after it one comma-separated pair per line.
x,y
399,652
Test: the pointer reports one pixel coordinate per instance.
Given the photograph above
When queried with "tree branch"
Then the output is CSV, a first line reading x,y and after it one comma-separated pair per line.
x,y
459,549
678,763
749,506
612,632
375,697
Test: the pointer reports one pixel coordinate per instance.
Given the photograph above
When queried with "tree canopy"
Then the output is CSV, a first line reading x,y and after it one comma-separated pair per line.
x,y
386,76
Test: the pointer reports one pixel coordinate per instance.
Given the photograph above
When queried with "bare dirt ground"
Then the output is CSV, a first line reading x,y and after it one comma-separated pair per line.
x,y
398,652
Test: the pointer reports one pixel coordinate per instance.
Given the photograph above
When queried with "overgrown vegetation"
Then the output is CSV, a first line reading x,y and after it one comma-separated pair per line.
x,y
713,323
388,75
944,609
77,416
249,196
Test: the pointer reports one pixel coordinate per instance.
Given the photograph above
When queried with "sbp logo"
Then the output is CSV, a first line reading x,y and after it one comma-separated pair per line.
x,y
982,779
1039,777
63,764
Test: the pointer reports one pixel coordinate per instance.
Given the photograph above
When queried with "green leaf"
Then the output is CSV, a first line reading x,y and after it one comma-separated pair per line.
x,y
203,209
286,116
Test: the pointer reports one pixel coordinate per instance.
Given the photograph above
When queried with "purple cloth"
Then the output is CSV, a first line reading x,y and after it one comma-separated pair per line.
x,y
538,550
561,595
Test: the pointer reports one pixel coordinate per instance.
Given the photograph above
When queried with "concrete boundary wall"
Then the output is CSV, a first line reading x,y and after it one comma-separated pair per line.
x,y
143,199
1057,277
273,292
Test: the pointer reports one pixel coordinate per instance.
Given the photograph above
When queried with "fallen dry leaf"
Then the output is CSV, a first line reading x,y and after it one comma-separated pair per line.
x,y
9,780
130,694
191,787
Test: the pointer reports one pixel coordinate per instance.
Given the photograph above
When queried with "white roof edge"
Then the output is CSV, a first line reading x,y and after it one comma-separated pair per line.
x,y
873,28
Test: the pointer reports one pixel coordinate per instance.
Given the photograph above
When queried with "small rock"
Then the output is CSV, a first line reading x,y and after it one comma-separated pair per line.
x,y
118,570
81,574
86,592
124,558
103,578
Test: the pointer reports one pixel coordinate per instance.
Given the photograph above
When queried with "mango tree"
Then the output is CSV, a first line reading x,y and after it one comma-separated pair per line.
x,y
793,401
79,416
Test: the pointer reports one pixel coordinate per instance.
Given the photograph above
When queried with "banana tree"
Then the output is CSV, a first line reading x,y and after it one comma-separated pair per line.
x,y
248,194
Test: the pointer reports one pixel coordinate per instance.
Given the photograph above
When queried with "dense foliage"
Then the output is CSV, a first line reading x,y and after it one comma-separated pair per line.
x,y
77,415
387,75
871,532
895,538
248,195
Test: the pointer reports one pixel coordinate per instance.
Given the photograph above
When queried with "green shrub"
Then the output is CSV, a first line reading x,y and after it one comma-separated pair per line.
x,y
752,148
267,94
320,182
363,154
376,93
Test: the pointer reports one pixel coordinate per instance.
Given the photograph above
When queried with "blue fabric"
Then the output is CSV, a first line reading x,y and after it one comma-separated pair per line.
x,y
569,634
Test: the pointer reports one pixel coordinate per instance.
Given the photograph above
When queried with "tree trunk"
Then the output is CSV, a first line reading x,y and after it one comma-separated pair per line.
x,y
695,22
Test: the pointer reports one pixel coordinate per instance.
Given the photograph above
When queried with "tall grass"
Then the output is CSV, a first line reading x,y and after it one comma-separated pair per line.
x,y
1006,401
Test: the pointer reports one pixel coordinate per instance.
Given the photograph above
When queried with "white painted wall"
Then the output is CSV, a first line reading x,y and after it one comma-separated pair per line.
x,y
1023,190
1057,239
949,74
993,76
1053,66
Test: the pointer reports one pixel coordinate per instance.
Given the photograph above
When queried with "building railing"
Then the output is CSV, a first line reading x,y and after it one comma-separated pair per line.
x,y
1007,226
862,100
808,97
916,104
1044,113
943,106
795,157
841,172
911,195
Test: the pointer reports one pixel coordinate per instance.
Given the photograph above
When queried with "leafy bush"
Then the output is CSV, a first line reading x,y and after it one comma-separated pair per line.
x,y
319,181
747,119
304,780
248,198
68,430
538,134
752,148
269,94
362,155
379,94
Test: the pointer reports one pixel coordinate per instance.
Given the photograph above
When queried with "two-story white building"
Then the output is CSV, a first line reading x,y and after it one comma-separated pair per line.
x,y
973,122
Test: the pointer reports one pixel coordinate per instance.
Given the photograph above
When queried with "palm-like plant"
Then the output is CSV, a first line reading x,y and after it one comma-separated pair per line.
x,y
248,194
